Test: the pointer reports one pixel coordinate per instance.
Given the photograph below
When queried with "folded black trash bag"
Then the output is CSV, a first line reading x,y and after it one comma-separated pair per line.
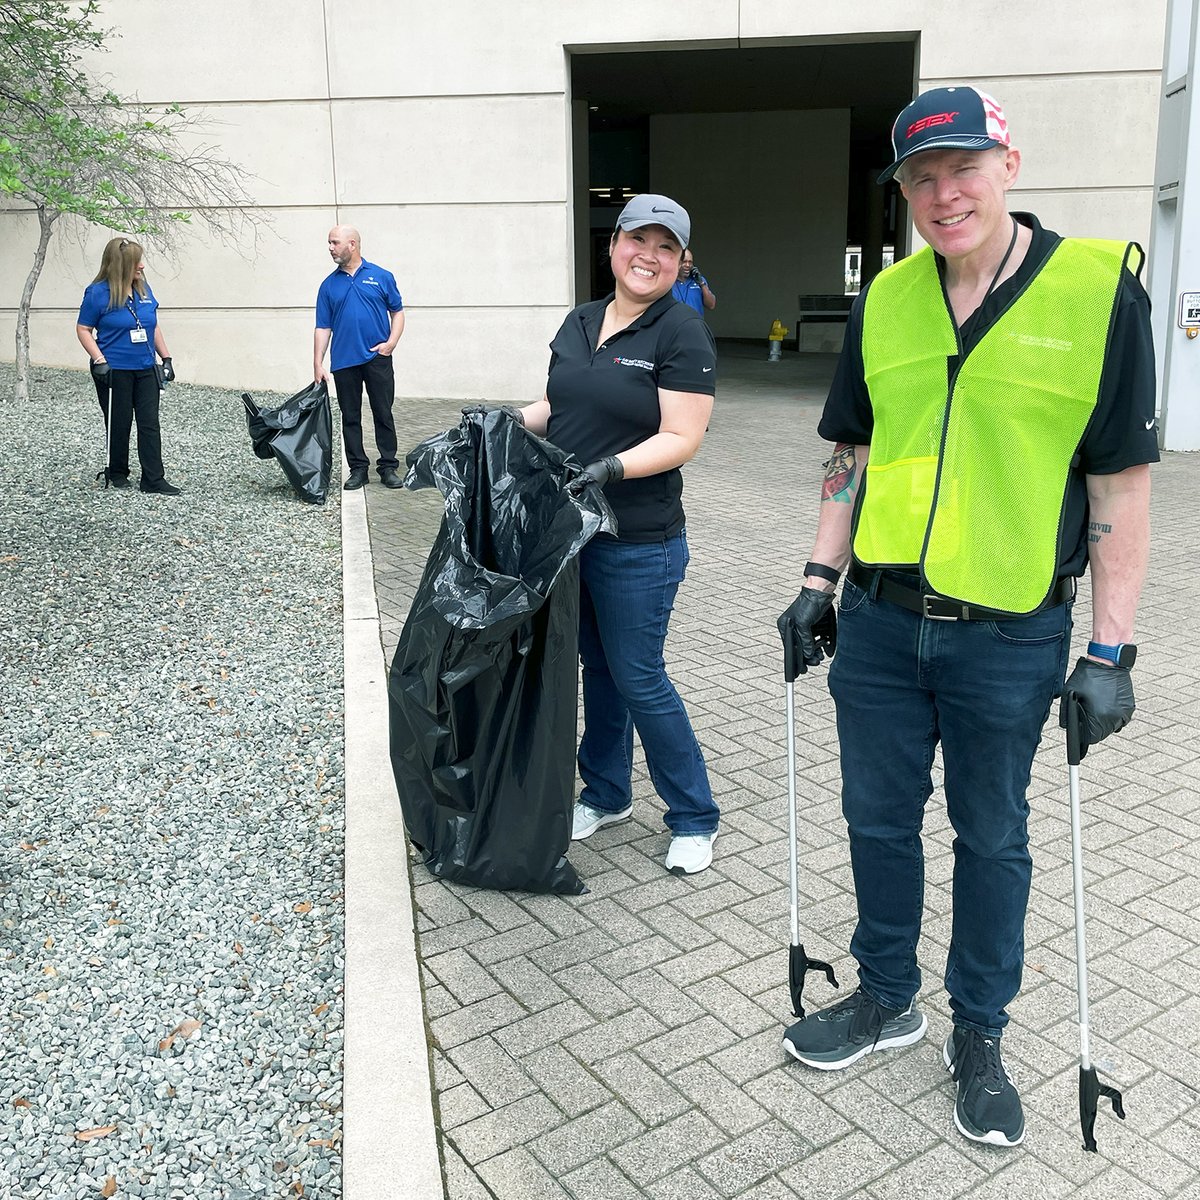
x,y
483,686
299,434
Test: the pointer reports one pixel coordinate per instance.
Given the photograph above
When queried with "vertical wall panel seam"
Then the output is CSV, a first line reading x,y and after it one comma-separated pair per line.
x,y
337,210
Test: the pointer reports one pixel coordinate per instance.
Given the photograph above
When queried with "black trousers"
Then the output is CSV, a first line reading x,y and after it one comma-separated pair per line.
x,y
134,394
380,379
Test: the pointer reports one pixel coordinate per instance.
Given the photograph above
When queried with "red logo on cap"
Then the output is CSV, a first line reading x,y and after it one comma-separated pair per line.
x,y
946,118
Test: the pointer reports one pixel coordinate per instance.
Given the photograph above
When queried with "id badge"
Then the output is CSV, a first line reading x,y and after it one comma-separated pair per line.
x,y
137,335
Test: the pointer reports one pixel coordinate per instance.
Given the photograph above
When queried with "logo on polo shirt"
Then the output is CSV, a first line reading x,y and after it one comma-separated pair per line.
x,y
633,362
372,282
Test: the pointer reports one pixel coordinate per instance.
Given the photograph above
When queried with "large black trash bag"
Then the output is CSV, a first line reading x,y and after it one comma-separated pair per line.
x,y
299,434
483,686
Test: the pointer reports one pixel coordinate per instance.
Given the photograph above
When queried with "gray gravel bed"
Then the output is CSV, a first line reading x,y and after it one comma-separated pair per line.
x,y
172,794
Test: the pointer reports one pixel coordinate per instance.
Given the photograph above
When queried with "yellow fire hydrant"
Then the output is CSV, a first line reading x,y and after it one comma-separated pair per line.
x,y
775,341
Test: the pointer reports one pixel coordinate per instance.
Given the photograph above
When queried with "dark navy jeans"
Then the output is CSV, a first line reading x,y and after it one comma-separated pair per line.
x,y
902,684
626,592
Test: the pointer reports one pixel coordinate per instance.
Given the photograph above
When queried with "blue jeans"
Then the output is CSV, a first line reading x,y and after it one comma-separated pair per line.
x,y
901,684
626,591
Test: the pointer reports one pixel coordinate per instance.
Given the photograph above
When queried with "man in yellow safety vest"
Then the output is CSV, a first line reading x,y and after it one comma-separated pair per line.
x,y
993,415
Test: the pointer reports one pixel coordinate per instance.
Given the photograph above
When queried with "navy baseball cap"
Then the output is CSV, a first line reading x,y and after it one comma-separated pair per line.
x,y
651,209
949,118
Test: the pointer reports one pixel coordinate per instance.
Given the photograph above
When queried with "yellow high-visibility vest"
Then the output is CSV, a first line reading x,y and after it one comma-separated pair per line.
x,y
968,481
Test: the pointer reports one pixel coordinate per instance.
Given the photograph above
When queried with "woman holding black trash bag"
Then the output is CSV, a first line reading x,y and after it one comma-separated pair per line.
x,y
118,327
630,391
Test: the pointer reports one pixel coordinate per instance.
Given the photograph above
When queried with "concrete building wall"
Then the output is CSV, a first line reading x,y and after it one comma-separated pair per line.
x,y
445,132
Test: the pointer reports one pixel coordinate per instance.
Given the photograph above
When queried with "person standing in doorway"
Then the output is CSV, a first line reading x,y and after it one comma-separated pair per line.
x,y
691,287
360,309
993,415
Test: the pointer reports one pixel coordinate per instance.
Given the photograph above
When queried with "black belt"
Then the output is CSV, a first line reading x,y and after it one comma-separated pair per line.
x,y
938,608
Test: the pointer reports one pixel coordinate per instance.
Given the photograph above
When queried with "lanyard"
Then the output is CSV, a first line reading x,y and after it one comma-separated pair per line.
x,y
967,329
133,311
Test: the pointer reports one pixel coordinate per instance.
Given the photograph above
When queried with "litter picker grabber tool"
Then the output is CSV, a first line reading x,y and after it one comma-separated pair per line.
x,y
799,964
1090,1087
106,409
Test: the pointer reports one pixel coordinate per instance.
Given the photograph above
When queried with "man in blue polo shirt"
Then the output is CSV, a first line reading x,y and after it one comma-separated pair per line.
x,y
360,308
691,287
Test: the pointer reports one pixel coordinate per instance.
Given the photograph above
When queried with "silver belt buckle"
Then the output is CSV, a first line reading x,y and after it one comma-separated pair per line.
x,y
932,616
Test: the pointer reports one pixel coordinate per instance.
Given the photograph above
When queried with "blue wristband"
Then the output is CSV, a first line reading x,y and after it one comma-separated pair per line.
x,y
1122,655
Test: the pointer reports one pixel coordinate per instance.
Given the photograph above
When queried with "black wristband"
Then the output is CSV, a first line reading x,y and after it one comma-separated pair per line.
x,y
821,571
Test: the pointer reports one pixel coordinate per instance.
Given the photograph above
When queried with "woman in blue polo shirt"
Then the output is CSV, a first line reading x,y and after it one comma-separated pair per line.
x,y
630,391
118,327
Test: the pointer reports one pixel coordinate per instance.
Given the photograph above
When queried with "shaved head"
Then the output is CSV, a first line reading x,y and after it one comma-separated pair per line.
x,y
345,246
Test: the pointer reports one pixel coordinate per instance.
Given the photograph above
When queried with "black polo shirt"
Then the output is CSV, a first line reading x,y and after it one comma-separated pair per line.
x,y
604,399
1122,431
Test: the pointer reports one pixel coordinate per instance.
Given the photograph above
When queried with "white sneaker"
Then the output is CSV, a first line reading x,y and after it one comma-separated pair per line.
x,y
587,820
690,852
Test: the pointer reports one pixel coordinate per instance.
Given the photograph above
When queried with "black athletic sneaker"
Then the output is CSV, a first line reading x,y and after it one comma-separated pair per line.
x,y
843,1033
988,1108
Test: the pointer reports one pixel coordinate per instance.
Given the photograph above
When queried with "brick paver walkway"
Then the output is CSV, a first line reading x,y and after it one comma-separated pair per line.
x,y
626,1043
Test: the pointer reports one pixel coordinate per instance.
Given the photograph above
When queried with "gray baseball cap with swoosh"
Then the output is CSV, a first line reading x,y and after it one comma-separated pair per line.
x,y
652,209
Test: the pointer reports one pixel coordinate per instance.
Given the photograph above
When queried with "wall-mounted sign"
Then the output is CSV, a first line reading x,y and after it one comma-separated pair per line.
x,y
1189,310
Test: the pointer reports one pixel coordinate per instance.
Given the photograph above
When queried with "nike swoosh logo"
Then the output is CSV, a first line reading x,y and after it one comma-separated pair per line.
x,y
653,209
706,369
1149,424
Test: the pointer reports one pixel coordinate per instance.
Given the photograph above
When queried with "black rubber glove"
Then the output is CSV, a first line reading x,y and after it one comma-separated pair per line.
x,y
1105,698
469,410
697,277
809,631
600,472
100,371
168,371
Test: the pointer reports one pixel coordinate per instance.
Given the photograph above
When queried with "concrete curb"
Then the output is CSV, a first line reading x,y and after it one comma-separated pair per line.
x,y
390,1146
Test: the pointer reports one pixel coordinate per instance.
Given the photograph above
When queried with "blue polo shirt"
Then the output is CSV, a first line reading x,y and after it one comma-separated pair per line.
x,y
688,292
358,309
113,326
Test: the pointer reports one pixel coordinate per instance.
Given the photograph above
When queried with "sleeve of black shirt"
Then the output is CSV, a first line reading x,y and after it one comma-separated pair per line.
x,y
848,416
687,359
1122,433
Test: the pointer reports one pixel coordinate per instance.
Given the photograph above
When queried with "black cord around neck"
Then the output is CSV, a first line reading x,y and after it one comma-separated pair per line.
x,y
968,328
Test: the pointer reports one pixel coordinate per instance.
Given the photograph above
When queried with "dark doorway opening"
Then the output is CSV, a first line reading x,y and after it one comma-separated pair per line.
x,y
774,149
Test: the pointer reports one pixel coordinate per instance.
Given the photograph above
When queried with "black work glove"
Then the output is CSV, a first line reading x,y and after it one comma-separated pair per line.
x,y
469,410
100,371
698,278
1105,699
168,371
809,631
600,472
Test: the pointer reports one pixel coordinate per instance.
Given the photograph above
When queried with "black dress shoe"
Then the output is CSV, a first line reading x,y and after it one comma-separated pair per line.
x,y
390,477
161,488
118,481
356,479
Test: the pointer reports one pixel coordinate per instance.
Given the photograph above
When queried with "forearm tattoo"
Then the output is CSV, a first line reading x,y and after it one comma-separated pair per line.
x,y
1097,529
840,475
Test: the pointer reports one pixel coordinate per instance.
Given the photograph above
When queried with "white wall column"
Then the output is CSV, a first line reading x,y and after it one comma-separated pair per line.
x,y
1175,244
